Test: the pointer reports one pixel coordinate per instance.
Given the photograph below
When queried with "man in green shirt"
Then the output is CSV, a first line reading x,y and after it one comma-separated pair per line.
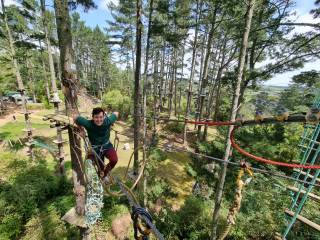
x,y
98,129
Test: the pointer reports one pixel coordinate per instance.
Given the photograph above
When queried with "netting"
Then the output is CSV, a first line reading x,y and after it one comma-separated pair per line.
x,y
94,195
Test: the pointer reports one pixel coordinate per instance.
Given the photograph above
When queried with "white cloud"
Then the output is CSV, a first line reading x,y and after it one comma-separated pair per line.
x,y
284,79
8,3
103,4
305,18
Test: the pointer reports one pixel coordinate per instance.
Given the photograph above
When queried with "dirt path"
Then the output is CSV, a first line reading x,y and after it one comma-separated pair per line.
x,y
7,117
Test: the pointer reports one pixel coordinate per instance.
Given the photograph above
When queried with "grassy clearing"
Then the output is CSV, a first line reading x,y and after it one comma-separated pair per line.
x,y
173,169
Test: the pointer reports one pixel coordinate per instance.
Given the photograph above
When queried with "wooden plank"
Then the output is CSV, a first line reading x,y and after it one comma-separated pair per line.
x,y
73,218
304,220
311,195
59,118
304,173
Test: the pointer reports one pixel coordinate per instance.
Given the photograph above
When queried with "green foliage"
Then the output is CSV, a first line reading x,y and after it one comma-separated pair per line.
x,y
24,194
116,101
308,79
191,171
46,225
192,221
157,155
35,106
159,189
273,142
259,214
175,127
296,98
46,103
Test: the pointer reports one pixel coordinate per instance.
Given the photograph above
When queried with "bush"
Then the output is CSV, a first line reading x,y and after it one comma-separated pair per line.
x,y
35,106
24,193
114,100
175,127
157,155
160,188
191,222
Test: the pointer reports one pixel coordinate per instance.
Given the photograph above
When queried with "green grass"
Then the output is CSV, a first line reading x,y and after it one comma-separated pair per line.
x,y
13,130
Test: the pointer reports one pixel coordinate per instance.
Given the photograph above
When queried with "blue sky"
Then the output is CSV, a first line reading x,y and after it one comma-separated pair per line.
x,y
101,14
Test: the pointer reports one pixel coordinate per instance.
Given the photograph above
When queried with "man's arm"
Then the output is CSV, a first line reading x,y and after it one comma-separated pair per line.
x,y
81,121
113,117
117,114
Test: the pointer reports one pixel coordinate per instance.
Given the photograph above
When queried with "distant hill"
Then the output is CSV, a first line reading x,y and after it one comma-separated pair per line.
x,y
273,88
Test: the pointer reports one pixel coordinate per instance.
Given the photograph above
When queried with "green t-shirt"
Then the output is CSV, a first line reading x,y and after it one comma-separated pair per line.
x,y
98,135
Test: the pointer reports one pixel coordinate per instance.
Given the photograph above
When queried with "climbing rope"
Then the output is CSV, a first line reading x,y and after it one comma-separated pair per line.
x,y
139,212
139,232
235,207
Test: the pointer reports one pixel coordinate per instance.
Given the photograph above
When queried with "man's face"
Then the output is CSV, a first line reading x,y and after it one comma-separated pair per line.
x,y
98,118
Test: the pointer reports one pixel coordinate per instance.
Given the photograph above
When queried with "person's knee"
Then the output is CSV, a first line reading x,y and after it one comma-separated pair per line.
x,y
111,154
114,159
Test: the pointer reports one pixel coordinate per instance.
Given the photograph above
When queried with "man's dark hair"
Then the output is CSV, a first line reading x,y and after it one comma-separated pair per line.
x,y
97,110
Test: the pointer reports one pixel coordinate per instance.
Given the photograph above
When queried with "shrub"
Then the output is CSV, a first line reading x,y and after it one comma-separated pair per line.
x,y
114,100
157,155
35,106
159,189
175,127
25,192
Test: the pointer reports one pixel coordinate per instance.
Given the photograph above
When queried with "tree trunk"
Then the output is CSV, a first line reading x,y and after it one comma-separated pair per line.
x,y
145,85
162,78
193,61
241,65
137,86
222,51
55,98
204,81
200,80
70,85
30,77
172,81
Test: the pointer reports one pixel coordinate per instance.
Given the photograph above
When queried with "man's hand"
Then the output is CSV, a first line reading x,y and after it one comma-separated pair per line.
x,y
117,114
74,117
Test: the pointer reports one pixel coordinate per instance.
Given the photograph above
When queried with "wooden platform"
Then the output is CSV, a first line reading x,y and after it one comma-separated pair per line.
x,y
63,119
304,220
73,218
311,195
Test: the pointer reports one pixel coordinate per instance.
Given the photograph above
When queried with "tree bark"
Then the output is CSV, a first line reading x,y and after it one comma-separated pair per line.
x,y
137,86
204,81
55,98
200,79
241,65
145,86
172,81
162,78
193,61
70,87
